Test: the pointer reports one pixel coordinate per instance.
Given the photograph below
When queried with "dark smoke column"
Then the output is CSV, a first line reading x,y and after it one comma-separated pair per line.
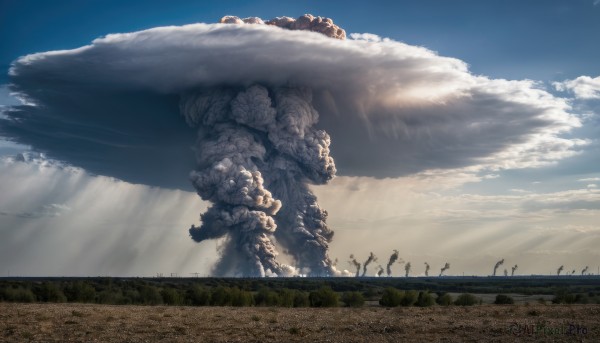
x,y
498,264
257,152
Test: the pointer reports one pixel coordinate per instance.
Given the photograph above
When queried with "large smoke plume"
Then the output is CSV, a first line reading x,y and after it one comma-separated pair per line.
x,y
559,270
407,269
380,270
512,273
444,268
371,258
392,260
257,152
498,264
356,264
427,269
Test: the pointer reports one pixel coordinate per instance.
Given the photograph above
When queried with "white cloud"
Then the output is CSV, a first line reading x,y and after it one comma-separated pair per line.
x,y
584,87
391,109
589,179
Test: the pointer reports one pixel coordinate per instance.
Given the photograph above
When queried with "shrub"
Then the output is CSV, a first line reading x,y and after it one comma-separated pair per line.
x,y
49,292
20,295
466,299
149,295
241,298
444,299
353,299
563,297
171,296
391,297
301,299
425,299
80,291
324,297
266,297
502,299
220,296
198,296
409,298
286,298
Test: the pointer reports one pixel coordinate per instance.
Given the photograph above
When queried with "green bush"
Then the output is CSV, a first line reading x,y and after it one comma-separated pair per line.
x,y
171,296
324,297
301,299
286,297
353,299
409,298
445,299
19,295
80,291
391,297
466,299
220,296
563,297
425,299
266,297
198,296
241,298
502,299
149,295
50,292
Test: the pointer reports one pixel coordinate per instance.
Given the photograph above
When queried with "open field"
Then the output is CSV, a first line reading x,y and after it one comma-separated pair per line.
x,y
487,323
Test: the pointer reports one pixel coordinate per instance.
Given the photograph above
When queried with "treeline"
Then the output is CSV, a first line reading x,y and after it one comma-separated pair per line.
x,y
148,292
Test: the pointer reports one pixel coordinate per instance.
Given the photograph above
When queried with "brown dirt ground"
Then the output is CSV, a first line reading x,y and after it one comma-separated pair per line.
x,y
484,323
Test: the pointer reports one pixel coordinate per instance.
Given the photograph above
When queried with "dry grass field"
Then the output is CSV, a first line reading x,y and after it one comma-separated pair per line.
x,y
484,323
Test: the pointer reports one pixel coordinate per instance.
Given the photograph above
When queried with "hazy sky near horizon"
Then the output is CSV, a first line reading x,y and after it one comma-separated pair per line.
x,y
467,195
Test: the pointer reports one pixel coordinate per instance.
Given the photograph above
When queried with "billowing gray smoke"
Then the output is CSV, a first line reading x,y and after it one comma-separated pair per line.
x,y
498,264
584,270
257,152
407,269
505,272
513,270
306,22
560,269
380,270
392,260
371,258
427,269
444,268
356,264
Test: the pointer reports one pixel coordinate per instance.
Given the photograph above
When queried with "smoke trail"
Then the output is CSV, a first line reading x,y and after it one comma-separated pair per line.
x,y
407,269
380,270
444,268
393,258
513,270
505,272
426,269
560,269
371,258
356,264
584,270
573,272
498,264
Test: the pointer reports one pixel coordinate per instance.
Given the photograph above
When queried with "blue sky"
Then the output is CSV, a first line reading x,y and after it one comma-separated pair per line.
x,y
542,40
527,203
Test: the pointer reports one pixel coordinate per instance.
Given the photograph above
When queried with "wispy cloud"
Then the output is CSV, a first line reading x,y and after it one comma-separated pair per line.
x,y
589,179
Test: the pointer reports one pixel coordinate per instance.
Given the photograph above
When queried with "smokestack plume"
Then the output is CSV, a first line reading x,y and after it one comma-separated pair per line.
x,y
371,258
392,260
356,264
513,270
426,269
498,264
380,270
560,269
444,268
584,270
407,269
